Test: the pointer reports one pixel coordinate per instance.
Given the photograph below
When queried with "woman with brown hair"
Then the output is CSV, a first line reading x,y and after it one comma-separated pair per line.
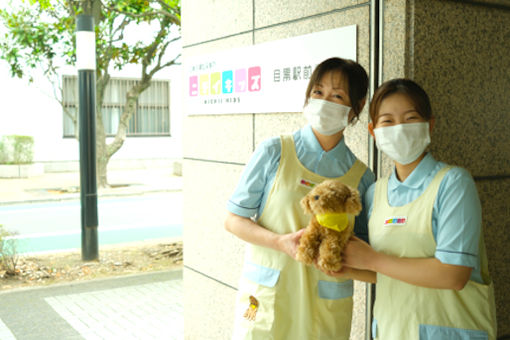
x,y
425,231
279,297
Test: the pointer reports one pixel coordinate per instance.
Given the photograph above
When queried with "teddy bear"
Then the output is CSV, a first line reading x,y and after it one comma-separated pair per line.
x,y
329,230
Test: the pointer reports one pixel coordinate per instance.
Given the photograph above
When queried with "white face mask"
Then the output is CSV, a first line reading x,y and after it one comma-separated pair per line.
x,y
326,117
403,143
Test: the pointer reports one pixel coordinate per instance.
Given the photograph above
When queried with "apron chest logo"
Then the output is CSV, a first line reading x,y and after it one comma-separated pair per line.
x,y
395,221
251,312
305,183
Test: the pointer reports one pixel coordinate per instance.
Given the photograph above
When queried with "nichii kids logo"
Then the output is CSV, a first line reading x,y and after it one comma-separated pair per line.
x,y
305,183
226,82
396,221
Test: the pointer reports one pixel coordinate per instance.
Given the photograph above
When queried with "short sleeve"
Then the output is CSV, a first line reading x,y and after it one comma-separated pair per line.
x,y
361,222
248,194
368,200
459,219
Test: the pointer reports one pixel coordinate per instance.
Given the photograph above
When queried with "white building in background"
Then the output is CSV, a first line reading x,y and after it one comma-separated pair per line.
x,y
155,134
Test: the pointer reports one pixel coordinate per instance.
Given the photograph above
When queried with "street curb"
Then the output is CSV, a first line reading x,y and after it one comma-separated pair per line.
x,y
77,197
172,274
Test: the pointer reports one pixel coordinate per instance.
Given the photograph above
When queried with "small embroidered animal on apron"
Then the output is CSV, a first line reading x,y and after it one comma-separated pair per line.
x,y
251,312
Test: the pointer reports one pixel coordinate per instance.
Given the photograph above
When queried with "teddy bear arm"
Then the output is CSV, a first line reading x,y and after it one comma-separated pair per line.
x,y
309,244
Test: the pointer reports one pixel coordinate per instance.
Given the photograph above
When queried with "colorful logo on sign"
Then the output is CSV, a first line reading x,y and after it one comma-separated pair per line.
x,y
226,82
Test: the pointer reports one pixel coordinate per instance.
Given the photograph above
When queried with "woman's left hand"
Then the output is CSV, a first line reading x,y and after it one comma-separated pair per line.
x,y
358,254
353,274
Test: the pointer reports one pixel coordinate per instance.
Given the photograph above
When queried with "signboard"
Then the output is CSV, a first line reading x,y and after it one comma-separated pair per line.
x,y
268,77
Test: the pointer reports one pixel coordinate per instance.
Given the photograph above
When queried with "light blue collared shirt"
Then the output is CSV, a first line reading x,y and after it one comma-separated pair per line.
x,y
251,194
457,212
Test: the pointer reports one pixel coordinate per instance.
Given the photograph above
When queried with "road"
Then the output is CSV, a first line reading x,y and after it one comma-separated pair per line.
x,y
57,225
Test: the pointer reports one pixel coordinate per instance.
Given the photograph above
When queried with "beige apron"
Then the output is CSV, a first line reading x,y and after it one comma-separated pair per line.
x,y
294,301
405,311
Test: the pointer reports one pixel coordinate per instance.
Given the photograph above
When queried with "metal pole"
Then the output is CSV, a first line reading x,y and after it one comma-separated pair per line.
x,y
86,64
376,39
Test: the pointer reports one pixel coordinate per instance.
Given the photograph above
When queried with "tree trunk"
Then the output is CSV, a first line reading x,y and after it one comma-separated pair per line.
x,y
128,112
101,166
102,156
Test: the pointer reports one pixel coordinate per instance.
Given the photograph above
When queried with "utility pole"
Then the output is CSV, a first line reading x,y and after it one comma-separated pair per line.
x,y
86,64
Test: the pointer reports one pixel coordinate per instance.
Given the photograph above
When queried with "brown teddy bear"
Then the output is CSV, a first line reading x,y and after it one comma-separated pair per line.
x,y
328,231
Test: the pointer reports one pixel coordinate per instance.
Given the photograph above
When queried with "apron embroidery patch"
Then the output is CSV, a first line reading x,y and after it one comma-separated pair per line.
x,y
396,221
306,183
251,312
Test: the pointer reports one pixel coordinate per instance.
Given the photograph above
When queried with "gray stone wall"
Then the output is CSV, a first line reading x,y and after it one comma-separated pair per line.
x,y
461,55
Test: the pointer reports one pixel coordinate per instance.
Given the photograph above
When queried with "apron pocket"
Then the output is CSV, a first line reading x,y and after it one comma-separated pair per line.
x,y
374,328
262,275
334,309
335,290
254,315
429,332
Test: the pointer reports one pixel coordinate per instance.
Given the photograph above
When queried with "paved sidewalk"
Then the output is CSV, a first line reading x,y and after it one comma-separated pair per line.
x,y
145,306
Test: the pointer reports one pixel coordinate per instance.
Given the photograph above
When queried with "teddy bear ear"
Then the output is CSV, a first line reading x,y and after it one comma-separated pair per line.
x,y
305,204
353,202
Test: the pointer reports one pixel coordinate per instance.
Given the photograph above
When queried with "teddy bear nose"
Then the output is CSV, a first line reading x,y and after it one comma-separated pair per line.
x,y
316,197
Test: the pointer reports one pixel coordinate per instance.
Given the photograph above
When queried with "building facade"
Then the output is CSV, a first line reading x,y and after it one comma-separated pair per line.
x,y
32,109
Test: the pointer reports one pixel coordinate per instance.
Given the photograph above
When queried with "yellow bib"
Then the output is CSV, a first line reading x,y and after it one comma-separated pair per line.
x,y
334,221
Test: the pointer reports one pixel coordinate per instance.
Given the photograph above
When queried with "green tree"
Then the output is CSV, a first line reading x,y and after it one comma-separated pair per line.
x,y
41,36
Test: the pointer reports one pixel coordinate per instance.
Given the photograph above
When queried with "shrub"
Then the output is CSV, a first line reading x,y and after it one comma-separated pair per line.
x,y
16,149
8,254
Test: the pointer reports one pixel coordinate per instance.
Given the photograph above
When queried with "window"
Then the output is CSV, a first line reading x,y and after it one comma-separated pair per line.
x,y
152,116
